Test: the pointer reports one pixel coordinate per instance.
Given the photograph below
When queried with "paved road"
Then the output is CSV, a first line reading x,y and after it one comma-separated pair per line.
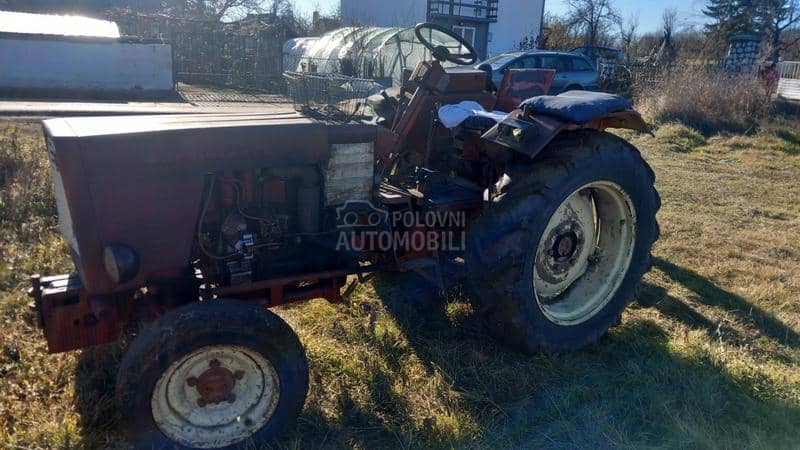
x,y
198,99
60,109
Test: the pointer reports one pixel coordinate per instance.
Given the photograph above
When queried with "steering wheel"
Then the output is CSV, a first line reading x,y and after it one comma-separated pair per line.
x,y
436,39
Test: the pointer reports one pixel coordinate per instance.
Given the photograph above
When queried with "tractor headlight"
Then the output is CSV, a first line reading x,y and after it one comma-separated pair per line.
x,y
121,262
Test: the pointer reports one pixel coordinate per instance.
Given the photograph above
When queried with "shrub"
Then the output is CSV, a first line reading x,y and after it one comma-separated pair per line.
x,y
706,100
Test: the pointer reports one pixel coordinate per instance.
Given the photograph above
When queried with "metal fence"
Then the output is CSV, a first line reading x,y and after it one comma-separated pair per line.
x,y
247,53
630,76
789,84
790,70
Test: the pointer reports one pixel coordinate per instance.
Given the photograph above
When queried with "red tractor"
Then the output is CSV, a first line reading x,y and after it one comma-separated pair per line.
x,y
203,222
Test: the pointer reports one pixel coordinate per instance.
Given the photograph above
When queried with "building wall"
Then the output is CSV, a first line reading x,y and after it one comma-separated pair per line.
x,y
55,64
384,13
481,32
515,20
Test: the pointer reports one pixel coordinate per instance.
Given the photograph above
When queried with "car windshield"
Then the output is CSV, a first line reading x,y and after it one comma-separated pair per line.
x,y
497,61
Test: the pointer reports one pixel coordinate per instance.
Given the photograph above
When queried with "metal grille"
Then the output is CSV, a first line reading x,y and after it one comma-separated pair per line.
x,y
484,10
333,96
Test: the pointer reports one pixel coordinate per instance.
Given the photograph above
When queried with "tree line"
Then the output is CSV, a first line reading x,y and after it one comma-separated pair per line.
x,y
600,23
190,9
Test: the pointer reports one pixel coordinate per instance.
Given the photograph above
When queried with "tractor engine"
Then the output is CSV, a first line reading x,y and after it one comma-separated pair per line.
x,y
255,223
265,223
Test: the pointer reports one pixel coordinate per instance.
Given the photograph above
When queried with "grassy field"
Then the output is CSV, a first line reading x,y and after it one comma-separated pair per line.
x,y
709,355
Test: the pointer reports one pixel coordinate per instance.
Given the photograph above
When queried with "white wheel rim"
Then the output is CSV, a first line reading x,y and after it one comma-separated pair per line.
x,y
584,253
215,396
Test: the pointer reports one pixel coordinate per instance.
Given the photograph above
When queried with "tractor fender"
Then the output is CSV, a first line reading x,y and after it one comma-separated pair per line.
x,y
529,134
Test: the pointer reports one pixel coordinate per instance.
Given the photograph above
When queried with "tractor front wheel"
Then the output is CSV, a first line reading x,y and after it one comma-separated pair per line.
x,y
557,253
213,374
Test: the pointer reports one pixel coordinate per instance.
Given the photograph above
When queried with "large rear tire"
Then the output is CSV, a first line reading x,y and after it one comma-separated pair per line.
x,y
213,374
563,241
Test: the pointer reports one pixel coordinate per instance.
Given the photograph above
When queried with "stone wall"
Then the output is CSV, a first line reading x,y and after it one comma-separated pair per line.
x,y
743,54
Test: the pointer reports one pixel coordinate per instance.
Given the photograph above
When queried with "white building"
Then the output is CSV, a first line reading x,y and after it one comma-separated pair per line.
x,y
493,26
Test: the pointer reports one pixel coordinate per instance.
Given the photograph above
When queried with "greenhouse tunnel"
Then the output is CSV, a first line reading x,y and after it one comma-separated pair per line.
x,y
376,53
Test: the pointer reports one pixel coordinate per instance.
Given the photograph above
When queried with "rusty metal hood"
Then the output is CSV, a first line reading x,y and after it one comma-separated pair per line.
x,y
138,180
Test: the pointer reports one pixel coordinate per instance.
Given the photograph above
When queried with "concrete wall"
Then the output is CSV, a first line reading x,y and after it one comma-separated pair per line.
x,y
515,20
84,65
384,13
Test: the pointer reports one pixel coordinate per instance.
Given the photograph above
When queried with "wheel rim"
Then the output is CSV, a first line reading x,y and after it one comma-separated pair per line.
x,y
584,253
215,396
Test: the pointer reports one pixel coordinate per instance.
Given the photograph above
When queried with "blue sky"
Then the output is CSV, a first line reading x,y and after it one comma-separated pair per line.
x,y
648,12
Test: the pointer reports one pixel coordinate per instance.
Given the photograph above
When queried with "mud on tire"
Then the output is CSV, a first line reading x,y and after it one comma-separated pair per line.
x,y
516,225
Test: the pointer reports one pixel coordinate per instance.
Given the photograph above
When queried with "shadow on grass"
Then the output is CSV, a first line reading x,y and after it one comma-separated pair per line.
x,y
95,377
712,295
631,389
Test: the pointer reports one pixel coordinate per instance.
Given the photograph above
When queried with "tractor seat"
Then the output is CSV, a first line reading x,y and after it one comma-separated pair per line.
x,y
478,124
576,107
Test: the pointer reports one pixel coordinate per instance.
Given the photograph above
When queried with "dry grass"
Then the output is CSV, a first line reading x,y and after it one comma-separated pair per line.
x,y
713,361
705,100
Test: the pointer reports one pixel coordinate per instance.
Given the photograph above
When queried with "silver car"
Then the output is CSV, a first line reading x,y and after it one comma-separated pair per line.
x,y
573,71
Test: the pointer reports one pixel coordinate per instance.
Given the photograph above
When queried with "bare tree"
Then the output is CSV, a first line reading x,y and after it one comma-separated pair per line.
x,y
779,16
211,9
669,20
557,33
594,18
627,34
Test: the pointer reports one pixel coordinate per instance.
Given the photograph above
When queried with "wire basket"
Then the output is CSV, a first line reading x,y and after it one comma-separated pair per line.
x,y
330,95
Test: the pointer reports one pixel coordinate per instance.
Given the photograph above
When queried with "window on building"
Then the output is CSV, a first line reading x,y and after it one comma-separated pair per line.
x,y
468,33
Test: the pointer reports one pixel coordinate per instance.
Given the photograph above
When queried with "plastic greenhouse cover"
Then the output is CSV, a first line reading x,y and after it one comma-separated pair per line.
x,y
379,53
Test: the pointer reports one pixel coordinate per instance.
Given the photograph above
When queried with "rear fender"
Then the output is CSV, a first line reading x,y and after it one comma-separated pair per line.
x,y
530,134
629,119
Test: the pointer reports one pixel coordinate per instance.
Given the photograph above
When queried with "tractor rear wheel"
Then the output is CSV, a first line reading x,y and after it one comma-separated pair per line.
x,y
558,251
213,374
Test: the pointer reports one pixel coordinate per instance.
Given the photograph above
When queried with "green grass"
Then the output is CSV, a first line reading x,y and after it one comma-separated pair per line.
x,y
709,356
679,138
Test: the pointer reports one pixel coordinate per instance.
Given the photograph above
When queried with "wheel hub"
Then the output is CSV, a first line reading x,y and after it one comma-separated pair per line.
x,y
215,396
564,260
565,246
584,252
216,384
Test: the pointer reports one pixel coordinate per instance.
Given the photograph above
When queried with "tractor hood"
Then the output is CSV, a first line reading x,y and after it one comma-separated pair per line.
x,y
137,181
